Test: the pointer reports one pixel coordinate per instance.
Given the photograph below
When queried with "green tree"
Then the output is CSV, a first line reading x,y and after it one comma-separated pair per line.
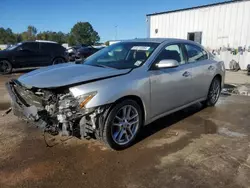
x,y
42,36
83,33
18,37
7,36
107,43
71,40
30,34
59,37
24,36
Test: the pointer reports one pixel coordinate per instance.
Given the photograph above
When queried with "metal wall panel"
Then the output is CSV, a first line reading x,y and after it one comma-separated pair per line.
x,y
222,26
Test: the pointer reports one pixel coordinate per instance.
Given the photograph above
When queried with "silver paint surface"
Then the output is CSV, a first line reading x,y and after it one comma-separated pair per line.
x,y
161,91
66,74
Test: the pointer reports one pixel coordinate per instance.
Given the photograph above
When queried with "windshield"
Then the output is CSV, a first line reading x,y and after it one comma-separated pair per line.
x,y
122,55
13,46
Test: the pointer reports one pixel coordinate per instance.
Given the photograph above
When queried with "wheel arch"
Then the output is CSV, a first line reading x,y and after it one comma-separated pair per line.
x,y
219,77
7,59
58,57
138,100
10,62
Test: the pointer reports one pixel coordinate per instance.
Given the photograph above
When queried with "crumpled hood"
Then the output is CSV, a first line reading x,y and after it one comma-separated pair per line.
x,y
66,74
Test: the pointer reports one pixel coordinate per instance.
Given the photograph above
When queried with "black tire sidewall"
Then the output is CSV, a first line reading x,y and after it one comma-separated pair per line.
x,y
10,65
107,137
57,59
208,101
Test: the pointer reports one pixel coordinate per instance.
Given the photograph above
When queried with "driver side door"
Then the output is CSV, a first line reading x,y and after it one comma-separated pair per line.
x,y
27,55
170,87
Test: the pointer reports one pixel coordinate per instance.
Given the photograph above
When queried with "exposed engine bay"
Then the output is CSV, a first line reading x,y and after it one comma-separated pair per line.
x,y
55,110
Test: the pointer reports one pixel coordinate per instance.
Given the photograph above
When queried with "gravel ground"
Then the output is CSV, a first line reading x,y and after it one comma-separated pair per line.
x,y
194,147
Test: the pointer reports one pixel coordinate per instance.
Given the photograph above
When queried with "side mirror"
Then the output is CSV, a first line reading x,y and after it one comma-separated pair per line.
x,y
19,49
167,63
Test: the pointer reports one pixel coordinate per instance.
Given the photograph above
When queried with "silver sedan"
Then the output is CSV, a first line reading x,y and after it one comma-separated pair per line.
x,y
119,89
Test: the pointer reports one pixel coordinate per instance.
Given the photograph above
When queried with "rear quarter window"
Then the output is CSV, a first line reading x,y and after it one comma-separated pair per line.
x,y
59,47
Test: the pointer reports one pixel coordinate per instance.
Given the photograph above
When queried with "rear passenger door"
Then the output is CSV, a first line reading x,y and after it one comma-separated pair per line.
x,y
46,50
203,69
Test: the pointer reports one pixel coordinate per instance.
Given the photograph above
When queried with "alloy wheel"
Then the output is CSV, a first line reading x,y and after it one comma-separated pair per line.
x,y
5,67
125,125
214,92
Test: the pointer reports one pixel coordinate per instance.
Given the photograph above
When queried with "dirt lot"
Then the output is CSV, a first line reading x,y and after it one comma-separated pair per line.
x,y
192,148
239,77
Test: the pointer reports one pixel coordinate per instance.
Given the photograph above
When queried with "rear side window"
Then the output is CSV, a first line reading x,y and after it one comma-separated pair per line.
x,y
195,53
172,52
51,47
45,47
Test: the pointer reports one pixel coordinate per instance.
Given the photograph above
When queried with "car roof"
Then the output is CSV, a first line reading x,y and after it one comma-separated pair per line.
x,y
159,40
43,42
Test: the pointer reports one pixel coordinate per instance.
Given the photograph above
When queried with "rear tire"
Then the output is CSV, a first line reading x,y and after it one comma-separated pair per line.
x,y
213,93
122,125
5,67
58,60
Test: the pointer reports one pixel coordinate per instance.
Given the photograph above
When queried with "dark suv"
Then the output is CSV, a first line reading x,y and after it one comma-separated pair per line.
x,y
85,52
31,54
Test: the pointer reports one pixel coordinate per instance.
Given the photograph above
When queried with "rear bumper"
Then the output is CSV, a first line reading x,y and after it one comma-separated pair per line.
x,y
22,110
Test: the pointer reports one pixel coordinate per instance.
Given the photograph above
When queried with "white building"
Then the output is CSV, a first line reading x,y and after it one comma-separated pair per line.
x,y
3,46
223,27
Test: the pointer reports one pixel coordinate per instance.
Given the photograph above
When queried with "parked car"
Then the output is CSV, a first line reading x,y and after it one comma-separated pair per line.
x,y
72,53
119,89
73,50
31,54
85,52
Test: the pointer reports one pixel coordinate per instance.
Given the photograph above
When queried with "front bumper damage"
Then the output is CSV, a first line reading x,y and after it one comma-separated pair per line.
x,y
23,110
60,118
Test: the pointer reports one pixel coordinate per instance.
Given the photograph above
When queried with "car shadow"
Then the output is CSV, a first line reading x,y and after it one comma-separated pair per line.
x,y
168,121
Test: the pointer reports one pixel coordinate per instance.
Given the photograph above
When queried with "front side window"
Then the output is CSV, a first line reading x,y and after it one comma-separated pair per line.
x,y
195,53
30,46
173,52
122,55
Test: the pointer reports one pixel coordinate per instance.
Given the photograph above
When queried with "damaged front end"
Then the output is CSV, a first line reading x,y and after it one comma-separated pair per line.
x,y
56,110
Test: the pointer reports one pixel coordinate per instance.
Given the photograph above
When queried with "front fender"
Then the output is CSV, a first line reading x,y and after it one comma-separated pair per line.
x,y
112,89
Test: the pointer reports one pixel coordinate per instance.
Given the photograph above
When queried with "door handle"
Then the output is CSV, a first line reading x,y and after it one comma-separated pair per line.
x,y
211,68
186,74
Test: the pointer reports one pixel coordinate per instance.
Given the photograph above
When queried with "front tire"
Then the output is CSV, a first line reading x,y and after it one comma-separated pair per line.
x,y
5,67
214,93
122,125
